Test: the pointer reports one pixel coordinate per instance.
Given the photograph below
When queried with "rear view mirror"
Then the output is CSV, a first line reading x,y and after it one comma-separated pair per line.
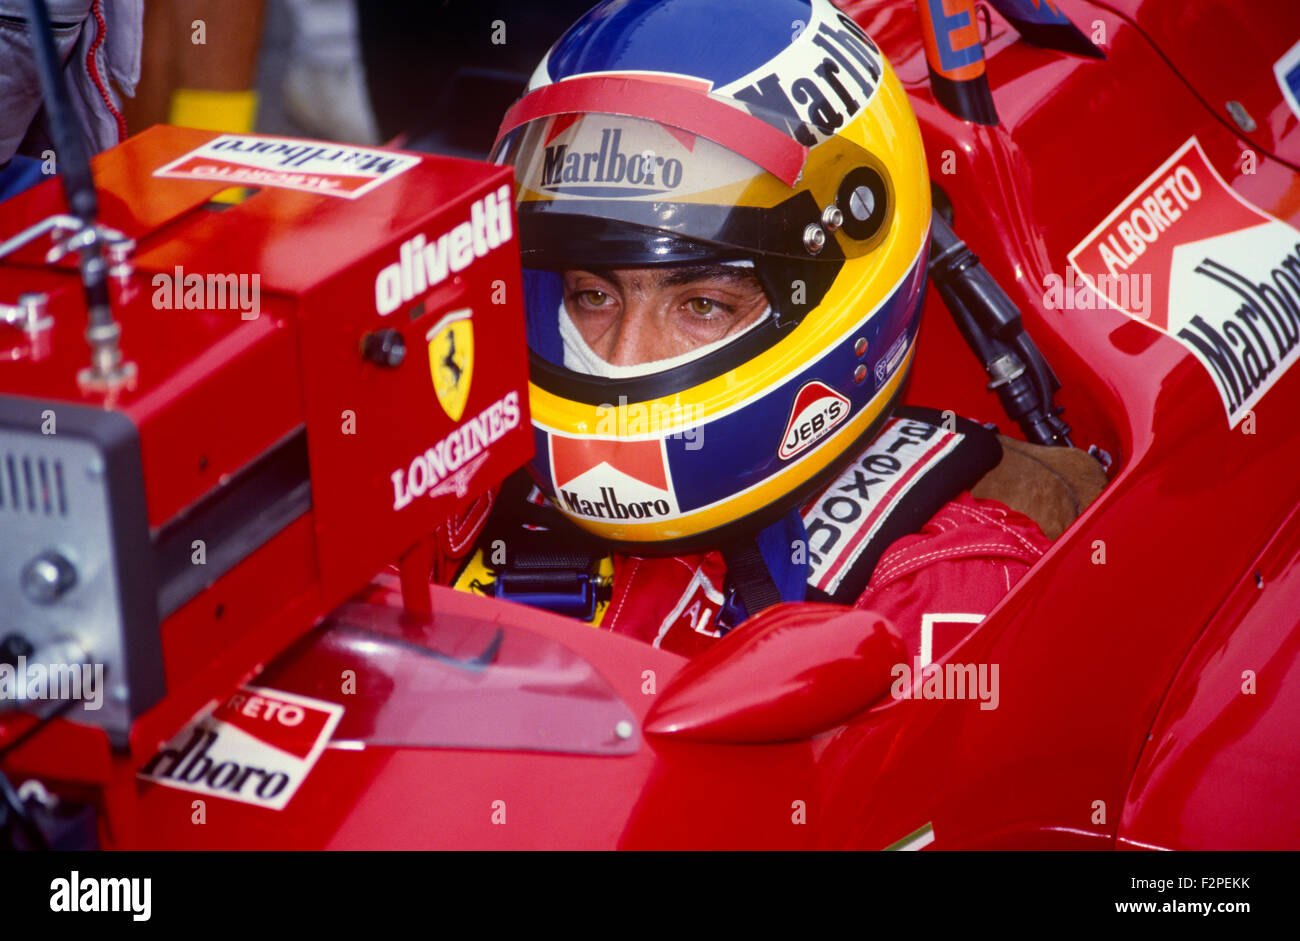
x,y
790,672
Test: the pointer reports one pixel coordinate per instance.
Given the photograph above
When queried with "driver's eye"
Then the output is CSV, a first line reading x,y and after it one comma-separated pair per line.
x,y
703,306
593,298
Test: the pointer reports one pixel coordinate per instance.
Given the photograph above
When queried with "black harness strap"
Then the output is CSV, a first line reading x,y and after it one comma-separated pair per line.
x,y
749,576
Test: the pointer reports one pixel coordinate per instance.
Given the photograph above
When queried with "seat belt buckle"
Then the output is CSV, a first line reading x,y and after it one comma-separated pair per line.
x,y
571,593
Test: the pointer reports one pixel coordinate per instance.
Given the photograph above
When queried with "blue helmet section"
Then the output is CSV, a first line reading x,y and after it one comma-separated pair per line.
x,y
720,41
543,292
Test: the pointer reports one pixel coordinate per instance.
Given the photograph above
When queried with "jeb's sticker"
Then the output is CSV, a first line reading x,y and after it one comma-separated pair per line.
x,y
816,410
1227,272
256,747
286,163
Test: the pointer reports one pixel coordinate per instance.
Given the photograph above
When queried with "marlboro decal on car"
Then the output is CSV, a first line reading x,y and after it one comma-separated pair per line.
x,y
1224,274
257,747
311,166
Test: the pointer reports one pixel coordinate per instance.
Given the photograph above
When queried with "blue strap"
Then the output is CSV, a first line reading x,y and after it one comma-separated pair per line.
x,y
780,544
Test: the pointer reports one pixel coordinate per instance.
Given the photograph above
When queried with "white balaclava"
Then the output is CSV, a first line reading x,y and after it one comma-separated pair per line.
x,y
580,357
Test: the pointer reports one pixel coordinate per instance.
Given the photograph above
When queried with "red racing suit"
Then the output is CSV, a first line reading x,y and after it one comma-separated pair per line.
x,y
896,531
934,586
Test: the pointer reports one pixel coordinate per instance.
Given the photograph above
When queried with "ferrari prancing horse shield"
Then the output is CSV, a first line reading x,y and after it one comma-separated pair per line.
x,y
451,360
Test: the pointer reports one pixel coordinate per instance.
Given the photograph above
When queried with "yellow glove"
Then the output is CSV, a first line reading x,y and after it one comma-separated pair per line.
x,y
231,111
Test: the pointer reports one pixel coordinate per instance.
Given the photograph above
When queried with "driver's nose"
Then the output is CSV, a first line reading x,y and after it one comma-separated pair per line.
x,y
636,336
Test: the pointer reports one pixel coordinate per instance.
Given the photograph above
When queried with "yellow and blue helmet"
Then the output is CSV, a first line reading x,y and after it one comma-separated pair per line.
x,y
763,134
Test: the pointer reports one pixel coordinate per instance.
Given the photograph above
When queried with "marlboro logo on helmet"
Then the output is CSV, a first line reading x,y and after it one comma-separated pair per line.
x,y
564,168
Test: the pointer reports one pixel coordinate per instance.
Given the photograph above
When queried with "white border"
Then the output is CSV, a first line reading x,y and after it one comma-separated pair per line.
x,y
406,161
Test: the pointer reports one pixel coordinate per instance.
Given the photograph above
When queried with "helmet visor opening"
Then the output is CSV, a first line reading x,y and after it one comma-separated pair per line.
x,y
647,248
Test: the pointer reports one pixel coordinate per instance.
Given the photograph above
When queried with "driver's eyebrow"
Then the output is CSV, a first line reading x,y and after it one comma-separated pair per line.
x,y
675,277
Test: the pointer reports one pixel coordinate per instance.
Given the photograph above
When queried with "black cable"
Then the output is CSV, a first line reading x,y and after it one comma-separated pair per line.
x,y
78,185
40,723
1047,384
7,790
74,161
992,327
11,797
21,819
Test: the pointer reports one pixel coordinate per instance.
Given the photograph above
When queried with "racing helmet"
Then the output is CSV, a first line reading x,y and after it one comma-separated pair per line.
x,y
767,136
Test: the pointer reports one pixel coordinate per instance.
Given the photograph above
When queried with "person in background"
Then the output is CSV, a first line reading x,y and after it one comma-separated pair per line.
x,y
198,65
99,43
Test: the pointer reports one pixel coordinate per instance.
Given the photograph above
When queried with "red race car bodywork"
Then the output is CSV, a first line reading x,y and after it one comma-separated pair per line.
x,y
1147,664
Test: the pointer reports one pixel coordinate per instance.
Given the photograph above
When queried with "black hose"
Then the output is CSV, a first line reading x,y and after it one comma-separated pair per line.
x,y
74,166
74,162
992,327
20,820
